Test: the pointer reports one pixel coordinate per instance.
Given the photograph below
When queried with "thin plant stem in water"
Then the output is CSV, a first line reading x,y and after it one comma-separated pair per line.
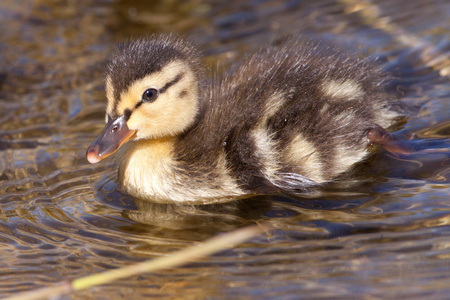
x,y
178,258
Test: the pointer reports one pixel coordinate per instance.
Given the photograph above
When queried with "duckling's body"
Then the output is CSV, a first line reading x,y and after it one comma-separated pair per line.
x,y
287,119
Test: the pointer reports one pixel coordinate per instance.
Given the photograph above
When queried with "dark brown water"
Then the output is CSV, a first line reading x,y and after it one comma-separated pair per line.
x,y
382,232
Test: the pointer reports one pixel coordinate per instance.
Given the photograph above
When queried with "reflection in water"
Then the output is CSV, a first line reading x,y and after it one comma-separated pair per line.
x,y
381,230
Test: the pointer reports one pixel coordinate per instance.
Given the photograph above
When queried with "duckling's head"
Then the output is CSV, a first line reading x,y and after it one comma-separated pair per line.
x,y
152,92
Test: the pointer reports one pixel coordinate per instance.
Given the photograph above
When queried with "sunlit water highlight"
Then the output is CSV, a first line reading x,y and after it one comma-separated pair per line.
x,y
382,231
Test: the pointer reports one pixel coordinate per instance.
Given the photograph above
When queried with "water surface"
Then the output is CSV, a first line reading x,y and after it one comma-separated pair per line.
x,y
382,231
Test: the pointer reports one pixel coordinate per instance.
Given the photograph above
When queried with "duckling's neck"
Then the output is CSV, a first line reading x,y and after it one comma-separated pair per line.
x,y
146,167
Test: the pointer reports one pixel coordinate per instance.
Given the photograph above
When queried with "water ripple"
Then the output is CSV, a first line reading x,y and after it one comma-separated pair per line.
x,y
380,231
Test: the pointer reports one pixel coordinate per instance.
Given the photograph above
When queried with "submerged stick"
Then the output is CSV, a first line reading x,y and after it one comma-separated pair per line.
x,y
178,258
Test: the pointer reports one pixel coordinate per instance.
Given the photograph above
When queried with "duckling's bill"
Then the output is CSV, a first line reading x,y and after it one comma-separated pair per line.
x,y
114,135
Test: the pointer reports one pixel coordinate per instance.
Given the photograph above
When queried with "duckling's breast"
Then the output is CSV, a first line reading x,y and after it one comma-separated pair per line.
x,y
149,170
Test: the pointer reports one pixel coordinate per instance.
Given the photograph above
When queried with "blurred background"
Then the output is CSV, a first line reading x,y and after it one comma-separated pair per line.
x,y
381,232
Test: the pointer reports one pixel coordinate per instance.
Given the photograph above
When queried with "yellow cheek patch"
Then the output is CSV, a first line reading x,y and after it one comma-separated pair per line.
x,y
169,114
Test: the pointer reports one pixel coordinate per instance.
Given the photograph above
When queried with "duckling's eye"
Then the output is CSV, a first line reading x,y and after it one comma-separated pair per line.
x,y
150,95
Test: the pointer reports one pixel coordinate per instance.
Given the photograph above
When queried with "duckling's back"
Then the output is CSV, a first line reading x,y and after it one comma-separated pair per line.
x,y
288,118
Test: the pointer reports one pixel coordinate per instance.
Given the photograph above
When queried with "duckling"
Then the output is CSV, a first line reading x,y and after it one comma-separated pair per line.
x,y
290,118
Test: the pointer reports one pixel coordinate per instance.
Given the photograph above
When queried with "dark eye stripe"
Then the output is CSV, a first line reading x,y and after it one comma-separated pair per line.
x,y
127,113
170,83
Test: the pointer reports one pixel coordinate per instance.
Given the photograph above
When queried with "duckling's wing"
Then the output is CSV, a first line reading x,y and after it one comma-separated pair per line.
x,y
293,183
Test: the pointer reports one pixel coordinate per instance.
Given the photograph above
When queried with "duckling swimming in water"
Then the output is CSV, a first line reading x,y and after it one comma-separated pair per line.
x,y
289,118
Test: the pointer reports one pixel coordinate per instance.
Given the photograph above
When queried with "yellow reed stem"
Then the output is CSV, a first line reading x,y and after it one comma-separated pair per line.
x,y
178,258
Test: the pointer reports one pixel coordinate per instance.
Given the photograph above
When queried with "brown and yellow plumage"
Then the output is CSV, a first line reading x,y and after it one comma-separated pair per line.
x,y
290,117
